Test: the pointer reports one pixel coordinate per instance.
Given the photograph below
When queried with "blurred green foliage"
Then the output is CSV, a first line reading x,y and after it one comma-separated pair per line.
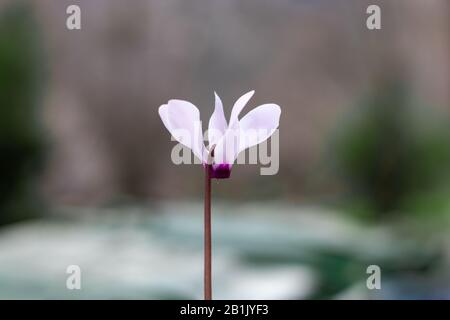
x,y
21,142
394,155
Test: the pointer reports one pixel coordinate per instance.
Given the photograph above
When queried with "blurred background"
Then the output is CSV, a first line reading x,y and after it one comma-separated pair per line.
x,y
86,176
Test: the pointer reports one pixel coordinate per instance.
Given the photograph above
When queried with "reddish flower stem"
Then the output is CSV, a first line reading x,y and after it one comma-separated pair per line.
x,y
207,234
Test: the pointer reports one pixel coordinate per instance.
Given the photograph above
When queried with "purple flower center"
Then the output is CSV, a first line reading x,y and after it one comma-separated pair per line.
x,y
220,171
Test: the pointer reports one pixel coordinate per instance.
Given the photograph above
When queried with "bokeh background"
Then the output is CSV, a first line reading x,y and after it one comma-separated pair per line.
x,y
86,177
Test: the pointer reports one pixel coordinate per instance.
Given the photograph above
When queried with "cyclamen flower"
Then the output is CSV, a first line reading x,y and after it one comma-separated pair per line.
x,y
226,140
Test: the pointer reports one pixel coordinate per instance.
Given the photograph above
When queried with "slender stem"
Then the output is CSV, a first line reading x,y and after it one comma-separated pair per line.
x,y
207,235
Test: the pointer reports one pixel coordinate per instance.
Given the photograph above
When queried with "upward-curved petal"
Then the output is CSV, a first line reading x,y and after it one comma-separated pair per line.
x,y
239,105
182,119
227,147
164,116
258,125
217,123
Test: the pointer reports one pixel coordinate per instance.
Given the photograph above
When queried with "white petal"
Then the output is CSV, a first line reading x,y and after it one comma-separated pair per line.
x,y
258,125
164,116
239,105
217,122
182,119
227,147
